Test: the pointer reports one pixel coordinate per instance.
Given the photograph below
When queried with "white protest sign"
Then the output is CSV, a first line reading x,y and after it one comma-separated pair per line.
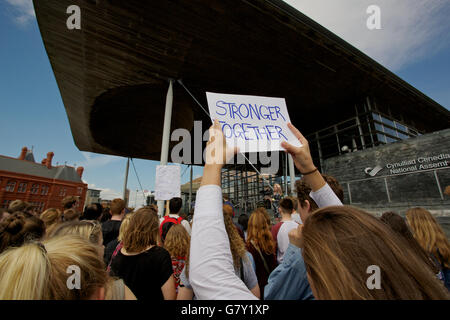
x,y
168,182
250,122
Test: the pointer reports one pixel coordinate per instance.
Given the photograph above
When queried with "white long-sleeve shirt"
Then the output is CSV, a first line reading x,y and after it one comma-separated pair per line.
x,y
325,197
211,269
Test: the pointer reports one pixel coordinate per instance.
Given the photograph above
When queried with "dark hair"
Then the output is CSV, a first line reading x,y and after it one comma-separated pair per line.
x,y
106,215
303,191
286,205
243,221
175,205
399,226
92,212
18,228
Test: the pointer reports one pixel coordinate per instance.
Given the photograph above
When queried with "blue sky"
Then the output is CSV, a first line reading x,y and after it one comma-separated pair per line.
x,y
416,47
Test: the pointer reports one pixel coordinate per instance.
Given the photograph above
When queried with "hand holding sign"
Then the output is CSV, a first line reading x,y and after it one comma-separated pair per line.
x,y
252,123
301,155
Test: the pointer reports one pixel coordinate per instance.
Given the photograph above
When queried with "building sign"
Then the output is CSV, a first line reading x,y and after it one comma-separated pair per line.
x,y
412,165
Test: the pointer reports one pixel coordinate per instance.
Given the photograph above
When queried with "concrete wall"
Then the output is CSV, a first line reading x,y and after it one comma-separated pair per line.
x,y
413,172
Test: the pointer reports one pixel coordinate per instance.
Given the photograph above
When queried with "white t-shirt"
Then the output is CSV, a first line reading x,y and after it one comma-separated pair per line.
x,y
283,238
296,218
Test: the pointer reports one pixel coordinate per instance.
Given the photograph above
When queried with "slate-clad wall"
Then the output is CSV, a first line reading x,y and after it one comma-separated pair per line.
x,y
401,182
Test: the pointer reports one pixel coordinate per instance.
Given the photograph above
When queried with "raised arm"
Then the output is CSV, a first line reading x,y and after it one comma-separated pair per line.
x,y
211,269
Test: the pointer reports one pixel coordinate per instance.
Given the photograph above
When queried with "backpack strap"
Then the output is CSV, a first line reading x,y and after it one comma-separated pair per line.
x,y
116,251
242,271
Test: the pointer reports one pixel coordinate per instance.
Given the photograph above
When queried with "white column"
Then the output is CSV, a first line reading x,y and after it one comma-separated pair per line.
x,y
292,173
166,137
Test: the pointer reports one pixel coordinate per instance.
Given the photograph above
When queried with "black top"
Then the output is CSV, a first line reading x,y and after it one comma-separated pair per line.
x,y
144,273
109,250
110,230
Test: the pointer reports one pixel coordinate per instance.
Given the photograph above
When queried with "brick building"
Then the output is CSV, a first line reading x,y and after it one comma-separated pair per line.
x,y
40,184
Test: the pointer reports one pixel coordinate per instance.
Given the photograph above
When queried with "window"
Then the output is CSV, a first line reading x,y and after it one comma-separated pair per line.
x,y
44,190
6,204
10,186
35,188
62,192
80,190
22,187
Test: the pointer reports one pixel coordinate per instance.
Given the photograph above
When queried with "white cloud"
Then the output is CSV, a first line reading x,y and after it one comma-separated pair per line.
x,y
411,29
93,160
23,11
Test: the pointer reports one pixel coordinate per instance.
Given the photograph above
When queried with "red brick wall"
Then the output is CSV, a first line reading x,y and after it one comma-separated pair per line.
x,y
51,200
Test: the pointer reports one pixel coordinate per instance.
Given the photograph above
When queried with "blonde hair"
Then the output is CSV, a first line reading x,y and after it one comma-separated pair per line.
x,y
87,229
71,214
142,231
38,271
429,234
124,226
258,232
52,218
177,241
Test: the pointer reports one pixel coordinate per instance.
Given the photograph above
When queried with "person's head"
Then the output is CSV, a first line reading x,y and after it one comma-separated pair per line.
x,y
124,226
18,205
106,214
266,215
399,226
243,221
3,214
341,243
142,231
117,207
39,271
286,206
306,205
177,241
71,215
259,233
51,217
277,188
69,202
87,229
226,198
19,228
429,234
175,205
92,212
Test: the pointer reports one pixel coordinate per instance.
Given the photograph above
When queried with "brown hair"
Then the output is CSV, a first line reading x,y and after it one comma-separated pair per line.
x,y
429,234
259,233
71,214
286,205
142,231
177,241
399,226
303,191
18,205
117,205
341,242
38,271
18,228
266,215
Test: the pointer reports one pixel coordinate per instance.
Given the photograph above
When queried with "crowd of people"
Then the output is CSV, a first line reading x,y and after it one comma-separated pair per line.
x,y
313,248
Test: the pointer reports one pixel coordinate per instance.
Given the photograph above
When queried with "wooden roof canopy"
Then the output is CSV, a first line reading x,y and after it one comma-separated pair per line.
x,y
113,73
